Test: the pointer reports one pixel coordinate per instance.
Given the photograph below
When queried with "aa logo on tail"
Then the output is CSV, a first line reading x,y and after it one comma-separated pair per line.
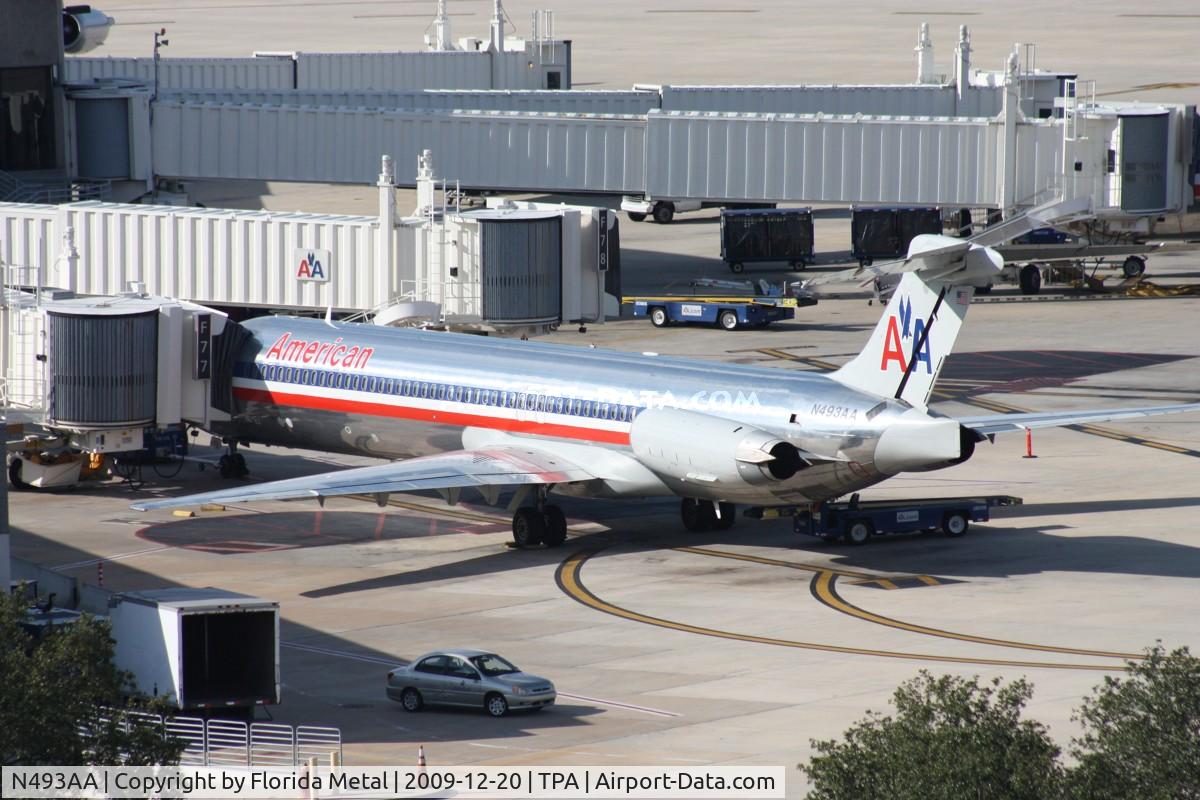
x,y
902,327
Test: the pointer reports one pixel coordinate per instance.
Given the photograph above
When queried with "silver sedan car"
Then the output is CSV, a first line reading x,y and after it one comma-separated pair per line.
x,y
474,678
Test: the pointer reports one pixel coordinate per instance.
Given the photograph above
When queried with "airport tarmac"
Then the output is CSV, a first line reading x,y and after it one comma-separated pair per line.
x,y
733,647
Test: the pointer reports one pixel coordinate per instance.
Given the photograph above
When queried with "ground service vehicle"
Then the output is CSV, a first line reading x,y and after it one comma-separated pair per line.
x,y
474,678
201,648
730,313
856,522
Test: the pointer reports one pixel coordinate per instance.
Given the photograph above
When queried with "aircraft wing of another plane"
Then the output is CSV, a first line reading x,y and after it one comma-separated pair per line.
x,y
481,468
1005,423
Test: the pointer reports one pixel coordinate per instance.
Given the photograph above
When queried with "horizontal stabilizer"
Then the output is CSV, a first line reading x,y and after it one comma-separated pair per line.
x,y
1007,423
961,261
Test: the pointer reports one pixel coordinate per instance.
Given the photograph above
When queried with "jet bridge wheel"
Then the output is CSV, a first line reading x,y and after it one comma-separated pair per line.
x,y
14,476
529,526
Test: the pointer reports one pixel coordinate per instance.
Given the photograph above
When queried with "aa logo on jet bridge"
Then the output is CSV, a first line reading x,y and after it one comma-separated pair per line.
x,y
311,265
901,328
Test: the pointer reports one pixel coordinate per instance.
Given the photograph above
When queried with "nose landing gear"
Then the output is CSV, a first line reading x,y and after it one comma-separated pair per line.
x,y
233,463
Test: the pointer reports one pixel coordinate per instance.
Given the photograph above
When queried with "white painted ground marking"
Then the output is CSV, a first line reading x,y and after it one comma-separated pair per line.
x,y
92,561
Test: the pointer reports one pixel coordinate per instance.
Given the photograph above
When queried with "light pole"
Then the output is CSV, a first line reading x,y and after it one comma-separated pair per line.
x,y
159,42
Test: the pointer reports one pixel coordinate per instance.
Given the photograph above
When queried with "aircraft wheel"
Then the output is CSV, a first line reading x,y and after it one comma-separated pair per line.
x,y
955,524
528,527
859,531
728,515
1030,279
658,317
697,515
728,320
556,526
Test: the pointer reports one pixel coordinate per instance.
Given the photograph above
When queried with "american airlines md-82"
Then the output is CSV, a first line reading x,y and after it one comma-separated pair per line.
x,y
457,411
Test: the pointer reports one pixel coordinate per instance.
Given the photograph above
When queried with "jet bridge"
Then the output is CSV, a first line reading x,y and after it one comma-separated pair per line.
x,y
87,378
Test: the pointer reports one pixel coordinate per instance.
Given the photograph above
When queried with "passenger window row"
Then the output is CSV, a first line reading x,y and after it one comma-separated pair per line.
x,y
526,401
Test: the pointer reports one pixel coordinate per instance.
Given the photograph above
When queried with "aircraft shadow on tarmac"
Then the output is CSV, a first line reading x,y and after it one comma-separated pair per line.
x,y
997,549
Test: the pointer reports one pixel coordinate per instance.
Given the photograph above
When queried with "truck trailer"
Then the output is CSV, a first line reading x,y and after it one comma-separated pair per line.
x,y
200,648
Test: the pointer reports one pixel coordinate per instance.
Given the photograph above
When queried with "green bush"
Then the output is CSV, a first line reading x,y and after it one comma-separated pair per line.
x,y
61,698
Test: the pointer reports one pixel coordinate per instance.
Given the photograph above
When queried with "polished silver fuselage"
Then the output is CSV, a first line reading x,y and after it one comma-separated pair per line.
x,y
397,393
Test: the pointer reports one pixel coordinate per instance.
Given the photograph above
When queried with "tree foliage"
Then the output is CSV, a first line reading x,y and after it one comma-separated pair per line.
x,y
949,738
1141,734
956,738
60,693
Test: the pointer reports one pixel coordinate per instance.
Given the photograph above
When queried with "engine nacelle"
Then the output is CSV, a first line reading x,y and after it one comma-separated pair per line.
x,y
700,448
84,28
917,442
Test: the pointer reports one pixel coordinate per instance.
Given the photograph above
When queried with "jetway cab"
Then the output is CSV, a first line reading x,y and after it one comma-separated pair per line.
x,y
112,376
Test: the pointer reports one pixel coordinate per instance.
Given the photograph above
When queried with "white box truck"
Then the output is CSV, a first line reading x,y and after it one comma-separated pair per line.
x,y
202,648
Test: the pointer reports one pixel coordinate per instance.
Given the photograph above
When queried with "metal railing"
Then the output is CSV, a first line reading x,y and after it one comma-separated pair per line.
x,y
50,190
217,742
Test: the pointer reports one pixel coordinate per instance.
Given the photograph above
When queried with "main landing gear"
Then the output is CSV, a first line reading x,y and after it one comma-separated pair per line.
x,y
544,523
233,463
705,515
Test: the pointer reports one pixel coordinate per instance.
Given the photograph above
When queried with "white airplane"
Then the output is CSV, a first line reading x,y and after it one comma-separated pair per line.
x,y
459,411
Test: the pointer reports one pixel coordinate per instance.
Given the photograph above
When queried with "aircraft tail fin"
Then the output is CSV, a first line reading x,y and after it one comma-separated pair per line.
x,y
911,341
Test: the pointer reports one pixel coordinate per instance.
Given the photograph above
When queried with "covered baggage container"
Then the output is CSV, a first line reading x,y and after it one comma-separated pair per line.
x,y
766,234
886,231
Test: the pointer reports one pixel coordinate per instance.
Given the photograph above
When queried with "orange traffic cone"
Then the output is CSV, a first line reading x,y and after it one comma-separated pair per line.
x,y
1029,444
421,757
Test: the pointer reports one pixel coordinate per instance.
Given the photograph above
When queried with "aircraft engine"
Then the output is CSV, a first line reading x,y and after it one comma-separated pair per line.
x,y
701,448
917,442
84,28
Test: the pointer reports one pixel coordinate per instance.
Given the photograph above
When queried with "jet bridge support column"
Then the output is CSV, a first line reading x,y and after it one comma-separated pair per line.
x,y
1007,183
385,234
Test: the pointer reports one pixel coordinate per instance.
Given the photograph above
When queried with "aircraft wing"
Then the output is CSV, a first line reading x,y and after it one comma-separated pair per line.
x,y
485,467
1005,423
